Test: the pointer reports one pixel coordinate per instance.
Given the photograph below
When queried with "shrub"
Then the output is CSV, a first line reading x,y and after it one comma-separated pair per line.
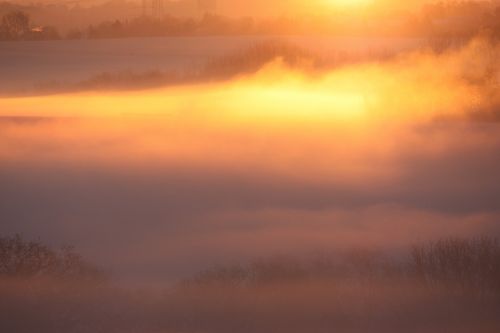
x,y
467,264
31,259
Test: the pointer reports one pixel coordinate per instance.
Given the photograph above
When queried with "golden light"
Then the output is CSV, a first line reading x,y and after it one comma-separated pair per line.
x,y
347,3
343,122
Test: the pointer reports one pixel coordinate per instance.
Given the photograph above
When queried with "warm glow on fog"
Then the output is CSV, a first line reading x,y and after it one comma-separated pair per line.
x,y
249,166
278,96
347,123
347,3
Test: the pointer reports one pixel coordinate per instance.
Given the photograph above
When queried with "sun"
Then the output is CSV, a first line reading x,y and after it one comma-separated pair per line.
x,y
347,3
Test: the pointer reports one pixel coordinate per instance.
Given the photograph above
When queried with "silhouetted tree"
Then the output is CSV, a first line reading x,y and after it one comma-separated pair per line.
x,y
14,26
48,33
467,264
30,259
75,34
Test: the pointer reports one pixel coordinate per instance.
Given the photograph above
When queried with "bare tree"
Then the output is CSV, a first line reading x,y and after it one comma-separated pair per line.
x,y
15,25
29,259
467,264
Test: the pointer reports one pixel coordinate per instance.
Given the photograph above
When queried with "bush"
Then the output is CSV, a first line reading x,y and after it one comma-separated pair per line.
x,y
469,265
31,259
14,25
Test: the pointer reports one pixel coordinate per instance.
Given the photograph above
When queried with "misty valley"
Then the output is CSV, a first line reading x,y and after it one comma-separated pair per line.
x,y
250,167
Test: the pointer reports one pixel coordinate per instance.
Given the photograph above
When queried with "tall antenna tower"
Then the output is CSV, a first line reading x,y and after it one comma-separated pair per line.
x,y
153,8
207,6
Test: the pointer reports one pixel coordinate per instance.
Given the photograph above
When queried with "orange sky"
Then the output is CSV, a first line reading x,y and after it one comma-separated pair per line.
x,y
280,7
294,7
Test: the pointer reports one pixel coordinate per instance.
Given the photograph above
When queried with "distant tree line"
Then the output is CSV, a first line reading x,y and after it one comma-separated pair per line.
x,y
452,20
451,264
448,285
430,24
209,24
16,25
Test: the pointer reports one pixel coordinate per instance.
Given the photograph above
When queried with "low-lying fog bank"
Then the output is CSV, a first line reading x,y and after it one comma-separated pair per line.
x,y
292,158
447,285
276,154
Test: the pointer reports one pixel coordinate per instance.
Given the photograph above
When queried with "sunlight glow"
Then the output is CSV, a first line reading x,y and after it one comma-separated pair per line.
x,y
347,3
347,123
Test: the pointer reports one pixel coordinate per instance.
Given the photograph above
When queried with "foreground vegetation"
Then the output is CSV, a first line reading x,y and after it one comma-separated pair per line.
x,y
448,285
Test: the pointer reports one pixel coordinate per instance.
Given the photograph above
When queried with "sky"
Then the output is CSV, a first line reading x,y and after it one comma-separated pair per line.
x,y
261,8
294,7
287,7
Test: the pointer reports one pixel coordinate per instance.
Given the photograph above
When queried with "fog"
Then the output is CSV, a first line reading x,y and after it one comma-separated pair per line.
x,y
158,183
313,166
64,64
